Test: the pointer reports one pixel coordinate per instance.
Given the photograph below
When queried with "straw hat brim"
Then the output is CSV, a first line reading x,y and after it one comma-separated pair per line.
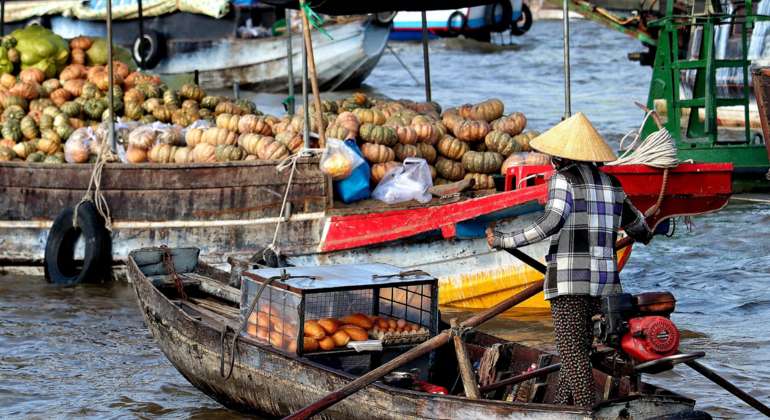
x,y
574,138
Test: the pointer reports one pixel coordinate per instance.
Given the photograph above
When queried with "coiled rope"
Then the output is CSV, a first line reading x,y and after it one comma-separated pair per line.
x,y
96,180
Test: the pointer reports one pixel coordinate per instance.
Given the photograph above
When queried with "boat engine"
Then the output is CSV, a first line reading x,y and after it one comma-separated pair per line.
x,y
638,325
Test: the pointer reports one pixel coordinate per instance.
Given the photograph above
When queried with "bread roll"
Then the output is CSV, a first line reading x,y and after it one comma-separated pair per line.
x,y
251,330
292,346
341,338
355,332
263,320
330,325
290,329
276,339
359,319
272,310
277,324
263,334
310,344
326,343
253,318
314,330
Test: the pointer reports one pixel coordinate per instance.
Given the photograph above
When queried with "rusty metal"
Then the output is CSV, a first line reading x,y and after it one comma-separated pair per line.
x,y
168,261
401,274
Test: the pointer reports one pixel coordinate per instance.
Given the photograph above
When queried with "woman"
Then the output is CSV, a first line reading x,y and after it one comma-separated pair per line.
x,y
585,210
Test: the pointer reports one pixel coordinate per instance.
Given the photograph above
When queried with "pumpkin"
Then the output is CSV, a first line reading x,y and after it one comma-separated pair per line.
x,y
251,157
94,108
338,132
51,111
194,92
488,110
449,169
169,134
464,110
121,69
136,77
7,143
190,104
378,134
252,124
36,157
72,109
24,149
184,155
218,135
406,134
82,42
64,131
400,118
471,130
89,90
32,75
349,121
537,159
227,153
369,116
26,90
193,137
512,125
293,141
525,138
50,84
42,92
421,119
482,162
15,100
72,72
271,149
78,56
136,155
250,142
404,151
14,113
517,159
500,142
29,128
426,132
12,130
377,153
36,114
298,123
326,106
48,146
40,104
134,95
227,108
451,147
147,119
170,97
379,170
77,123
428,152
60,96
483,181
55,158
204,152
76,152
184,117
7,154
149,90
391,108
132,110
150,105
210,102
7,80
162,113
441,181
349,105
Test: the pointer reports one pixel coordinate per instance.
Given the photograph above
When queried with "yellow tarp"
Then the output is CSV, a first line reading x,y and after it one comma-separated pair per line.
x,y
121,9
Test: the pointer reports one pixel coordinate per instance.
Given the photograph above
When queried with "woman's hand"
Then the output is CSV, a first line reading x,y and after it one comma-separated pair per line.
x,y
491,237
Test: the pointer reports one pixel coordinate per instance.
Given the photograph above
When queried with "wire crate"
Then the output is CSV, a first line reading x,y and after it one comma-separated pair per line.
x,y
335,291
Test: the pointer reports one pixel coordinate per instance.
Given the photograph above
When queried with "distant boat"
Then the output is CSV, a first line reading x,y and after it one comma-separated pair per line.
x,y
477,22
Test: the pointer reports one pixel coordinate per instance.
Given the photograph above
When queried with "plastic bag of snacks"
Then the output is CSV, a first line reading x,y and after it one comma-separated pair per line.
x,y
339,160
404,183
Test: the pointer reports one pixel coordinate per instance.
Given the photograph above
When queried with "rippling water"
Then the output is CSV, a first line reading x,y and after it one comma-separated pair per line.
x,y
83,352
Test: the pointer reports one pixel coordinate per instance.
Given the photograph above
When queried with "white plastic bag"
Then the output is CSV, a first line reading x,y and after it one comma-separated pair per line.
x,y
339,160
405,183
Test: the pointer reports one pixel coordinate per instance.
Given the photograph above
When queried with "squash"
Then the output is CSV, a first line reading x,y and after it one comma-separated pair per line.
x,y
149,90
7,143
7,80
378,134
132,110
29,128
349,121
404,151
218,135
441,128
72,72
421,119
298,123
7,154
401,118
64,131
293,141
15,100
338,132
253,124
184,155
89,90
227,108
512,125
36,157
24,149
204,152
369,116
82,42
537,159
441,181
283,126
147,119
228,153
150,104
142,138
72,109
36,115
379,170
210,102
12,130
134,95
449,169
483,181
194,92
170,97
488,110
14,113
247,107
428,152
40,104
525,138
190,104
228,121
426,132
32,75
76,152
377,153
406,134
391,108
482,162
471,130
169,134
250,142
268,148
94,108
184,117
451,147
27,91
500,142
136,155
326,106
78,56
193,137
56,158
517,159
48,146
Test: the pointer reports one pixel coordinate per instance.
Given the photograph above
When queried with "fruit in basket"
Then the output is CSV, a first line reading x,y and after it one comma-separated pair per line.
x,y
500,142
488,110
525,138
404,151
482,162
377,153
309,344
451,147
378,134
326,343
341,338
428,152
483,181
449,169
359,320
379,170
474,130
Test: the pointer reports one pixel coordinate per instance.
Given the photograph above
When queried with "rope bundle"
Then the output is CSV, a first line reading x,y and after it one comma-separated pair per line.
x,y
657,150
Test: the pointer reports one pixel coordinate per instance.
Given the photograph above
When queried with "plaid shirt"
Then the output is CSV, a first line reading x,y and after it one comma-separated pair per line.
x,y
585,210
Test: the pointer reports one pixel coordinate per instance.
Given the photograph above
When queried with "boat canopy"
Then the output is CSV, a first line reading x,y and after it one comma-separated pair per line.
x,y
337,7
121,9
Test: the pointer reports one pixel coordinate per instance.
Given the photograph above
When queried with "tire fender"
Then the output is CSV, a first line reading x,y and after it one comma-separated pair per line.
x,y
489,16
464,22
155,48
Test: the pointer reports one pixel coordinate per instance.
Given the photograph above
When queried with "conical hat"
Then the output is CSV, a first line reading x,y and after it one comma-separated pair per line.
x,y
574,138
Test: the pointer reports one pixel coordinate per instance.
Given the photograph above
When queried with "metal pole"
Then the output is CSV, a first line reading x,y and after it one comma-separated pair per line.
x,y
567,100
290,64
426,60
305,100
141,37
110,81
2,17
237,90
404,65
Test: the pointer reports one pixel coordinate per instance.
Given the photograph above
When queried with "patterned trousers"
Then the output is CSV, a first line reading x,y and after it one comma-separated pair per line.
x,y
574,336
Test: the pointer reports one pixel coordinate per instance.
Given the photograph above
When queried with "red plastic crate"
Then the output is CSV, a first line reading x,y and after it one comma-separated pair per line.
x,y
516,173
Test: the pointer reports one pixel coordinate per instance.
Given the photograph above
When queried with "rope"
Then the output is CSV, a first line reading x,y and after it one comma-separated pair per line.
x,y
96,180
459,331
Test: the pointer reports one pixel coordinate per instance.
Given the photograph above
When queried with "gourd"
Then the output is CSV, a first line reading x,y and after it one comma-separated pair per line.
x,y
452,147
406,134
449,169
349,121
471,130
271,149
402,118
25,90
149,90
204,152
150,105
293,141
482,162
94,108
537,159
12,130
132,110
483,181
72,109
64,131
40,104
227,153
170,97
378,134
29,128
72,72
32,75
247,107
391,108
379,170
218,135
298,123
512,125
227,108
41,48
326,106
252,124
36,157
377,153
162,113
488,110
338,132
134,95
404,151
428,152
55,158
7,154
90,90
500,142
24,149
194,92
13,113
525,138
184,117
369,116
249,142
426,132
15,100
210,102
285,126
184,155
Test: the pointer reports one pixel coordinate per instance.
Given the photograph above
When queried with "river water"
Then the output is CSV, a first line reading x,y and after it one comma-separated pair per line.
x,y
83,351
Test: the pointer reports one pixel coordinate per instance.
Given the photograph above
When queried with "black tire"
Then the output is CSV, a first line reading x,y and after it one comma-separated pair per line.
x,y
519,28
451,31
684,415
60,266
489,16
42,21
155,49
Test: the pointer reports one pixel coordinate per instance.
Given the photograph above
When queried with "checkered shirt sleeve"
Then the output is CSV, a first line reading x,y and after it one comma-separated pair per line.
x,y
633,223
556,212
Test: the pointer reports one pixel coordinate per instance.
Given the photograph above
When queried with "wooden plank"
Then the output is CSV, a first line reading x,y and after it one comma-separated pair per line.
x,y
466,370
216,288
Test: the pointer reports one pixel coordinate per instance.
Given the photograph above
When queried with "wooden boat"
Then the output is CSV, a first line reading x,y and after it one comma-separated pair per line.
x,y
231,210
272,383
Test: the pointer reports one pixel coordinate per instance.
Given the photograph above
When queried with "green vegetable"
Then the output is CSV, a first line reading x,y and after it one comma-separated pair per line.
x,y
97,54
5,64
41,48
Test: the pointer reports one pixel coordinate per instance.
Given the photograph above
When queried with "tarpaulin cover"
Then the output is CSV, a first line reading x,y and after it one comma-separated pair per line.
x,y
121,9
332,7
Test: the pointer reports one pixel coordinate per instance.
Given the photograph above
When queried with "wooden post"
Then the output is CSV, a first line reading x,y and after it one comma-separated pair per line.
x,y
466,370
426,55
313,76
110,81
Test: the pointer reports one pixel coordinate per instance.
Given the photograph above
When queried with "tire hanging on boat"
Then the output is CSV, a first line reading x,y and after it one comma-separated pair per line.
x,y
521,26
60,264
154,48
450,27
490,19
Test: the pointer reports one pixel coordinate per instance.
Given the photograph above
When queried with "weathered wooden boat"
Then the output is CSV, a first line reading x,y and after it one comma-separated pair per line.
x,y
272,383
230,210
180,42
